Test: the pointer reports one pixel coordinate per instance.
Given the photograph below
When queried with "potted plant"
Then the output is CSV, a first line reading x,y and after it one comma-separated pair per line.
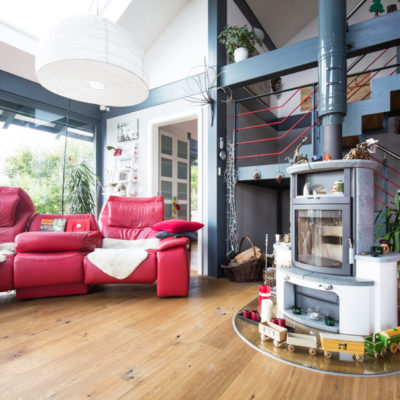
x,y
238,41
390,217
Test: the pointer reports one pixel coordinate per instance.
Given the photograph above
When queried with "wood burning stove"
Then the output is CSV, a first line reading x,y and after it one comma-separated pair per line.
x,y
322,221
326,282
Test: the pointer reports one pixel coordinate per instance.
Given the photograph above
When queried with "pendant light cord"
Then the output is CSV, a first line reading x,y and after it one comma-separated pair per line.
x,y
65,158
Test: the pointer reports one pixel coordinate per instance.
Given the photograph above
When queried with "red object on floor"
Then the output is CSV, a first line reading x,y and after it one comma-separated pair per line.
x,y
281,322
247,314
264,292
130,219
255,316
275,321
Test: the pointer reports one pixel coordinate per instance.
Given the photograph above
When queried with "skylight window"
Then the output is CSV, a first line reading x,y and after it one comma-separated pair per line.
x,y
34,18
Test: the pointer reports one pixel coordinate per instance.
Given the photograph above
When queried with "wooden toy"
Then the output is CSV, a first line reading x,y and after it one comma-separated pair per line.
x,y
272,331
300,340
352,344
374,347
390,338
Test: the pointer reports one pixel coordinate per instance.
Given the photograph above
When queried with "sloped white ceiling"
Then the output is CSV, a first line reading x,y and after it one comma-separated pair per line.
x,y
146,20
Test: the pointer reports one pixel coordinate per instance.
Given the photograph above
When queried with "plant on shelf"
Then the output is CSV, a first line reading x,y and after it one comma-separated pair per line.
x,y
235,37
390,220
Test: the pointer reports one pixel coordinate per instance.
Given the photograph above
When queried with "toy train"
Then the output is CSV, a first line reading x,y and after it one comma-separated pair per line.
x,y
375,345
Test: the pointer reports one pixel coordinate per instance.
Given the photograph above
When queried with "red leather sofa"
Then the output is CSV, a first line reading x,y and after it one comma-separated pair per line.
x,y
130,219
16,209
51,263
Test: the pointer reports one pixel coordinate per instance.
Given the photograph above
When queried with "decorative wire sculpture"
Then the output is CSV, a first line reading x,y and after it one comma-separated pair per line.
x,y
206,84
230,180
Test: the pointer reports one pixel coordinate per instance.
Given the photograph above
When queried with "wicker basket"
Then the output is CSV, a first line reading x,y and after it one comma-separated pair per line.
x,y
247,270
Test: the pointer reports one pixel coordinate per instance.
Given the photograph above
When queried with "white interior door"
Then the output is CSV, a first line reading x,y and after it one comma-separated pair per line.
x,y
174,174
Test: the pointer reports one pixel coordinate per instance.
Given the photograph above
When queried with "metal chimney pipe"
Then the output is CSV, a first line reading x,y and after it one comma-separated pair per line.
x,y
332,100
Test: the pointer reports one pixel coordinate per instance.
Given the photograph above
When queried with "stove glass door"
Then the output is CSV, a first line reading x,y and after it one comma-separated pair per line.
x,y
319,238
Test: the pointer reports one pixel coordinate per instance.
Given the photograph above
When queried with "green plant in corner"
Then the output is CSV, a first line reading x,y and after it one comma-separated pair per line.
x,y
81,186
390,219
233,37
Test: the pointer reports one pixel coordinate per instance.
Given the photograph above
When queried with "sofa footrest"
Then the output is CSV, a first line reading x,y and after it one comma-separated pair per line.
x,y
6,274
66,289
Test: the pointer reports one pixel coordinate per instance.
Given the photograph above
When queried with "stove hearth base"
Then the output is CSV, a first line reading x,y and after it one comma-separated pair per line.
x,y
360,305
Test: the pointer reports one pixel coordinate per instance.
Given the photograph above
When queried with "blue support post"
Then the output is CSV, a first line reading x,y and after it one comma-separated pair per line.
x,y
216,186
332,99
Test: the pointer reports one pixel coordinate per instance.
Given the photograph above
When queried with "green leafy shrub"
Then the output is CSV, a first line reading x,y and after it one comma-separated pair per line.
x,y
390,218
233,37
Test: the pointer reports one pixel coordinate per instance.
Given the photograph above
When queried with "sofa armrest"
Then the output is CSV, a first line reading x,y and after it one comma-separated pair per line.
x,y
171,242
42,242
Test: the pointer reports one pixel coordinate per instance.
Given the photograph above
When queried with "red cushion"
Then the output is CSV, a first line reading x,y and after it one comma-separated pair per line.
x,y
41,242
8,206
177,226
131,214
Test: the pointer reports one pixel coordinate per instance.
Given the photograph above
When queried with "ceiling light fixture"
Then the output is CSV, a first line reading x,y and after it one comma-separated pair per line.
x,y
91,59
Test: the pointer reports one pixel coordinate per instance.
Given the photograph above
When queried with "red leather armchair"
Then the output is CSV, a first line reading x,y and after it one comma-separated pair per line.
x,y
130,219
51,263
16,209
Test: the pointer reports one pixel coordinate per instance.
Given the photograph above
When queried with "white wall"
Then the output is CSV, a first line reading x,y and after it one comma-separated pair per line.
x,y
150,120
181,48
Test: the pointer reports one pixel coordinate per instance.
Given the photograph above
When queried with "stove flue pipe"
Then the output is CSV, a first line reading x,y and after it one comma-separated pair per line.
x,y
332,97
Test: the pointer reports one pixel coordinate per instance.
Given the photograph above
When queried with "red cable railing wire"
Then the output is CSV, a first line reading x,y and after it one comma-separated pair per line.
x,y
383,190
387,166
270,108
366,76
286,148
279,137
283,120
387,179
387,206
371,63
393,72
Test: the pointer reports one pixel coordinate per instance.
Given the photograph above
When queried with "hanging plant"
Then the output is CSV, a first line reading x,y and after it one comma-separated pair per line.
x,y
206,85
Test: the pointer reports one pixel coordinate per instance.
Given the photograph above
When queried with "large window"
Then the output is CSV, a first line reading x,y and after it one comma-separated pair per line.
x,y
41,151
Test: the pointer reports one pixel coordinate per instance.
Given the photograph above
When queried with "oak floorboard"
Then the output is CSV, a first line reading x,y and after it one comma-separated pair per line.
x,y
122,342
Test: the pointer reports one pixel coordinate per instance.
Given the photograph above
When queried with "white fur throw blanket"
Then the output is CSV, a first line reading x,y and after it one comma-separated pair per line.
x,y
120,258
6,248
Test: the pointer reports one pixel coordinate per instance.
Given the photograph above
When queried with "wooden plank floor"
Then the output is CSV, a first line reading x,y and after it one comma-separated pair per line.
x,y
122,342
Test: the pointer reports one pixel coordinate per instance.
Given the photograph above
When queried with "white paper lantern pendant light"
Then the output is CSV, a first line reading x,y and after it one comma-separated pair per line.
x,y
91,59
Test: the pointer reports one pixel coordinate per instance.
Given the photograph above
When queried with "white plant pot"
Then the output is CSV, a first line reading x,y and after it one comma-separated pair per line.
x,y
240,54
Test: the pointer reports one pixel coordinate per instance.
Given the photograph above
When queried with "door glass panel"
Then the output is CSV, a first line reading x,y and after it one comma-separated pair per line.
x,y
182,213
167,211
182,170
166,167
166,145
319,236
166,190
182,149
182,191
